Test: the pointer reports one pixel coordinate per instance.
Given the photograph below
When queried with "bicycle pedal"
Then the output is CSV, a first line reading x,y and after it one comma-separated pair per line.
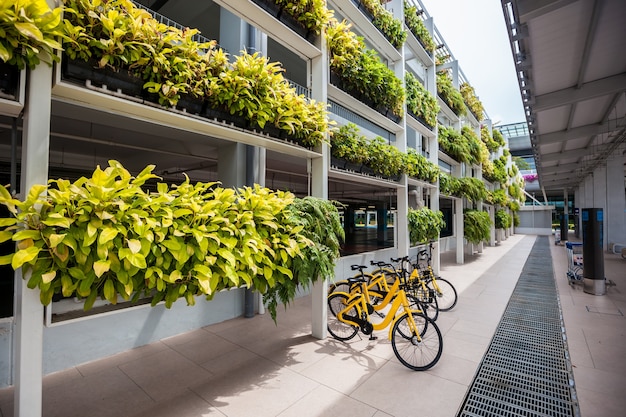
x,y
372,337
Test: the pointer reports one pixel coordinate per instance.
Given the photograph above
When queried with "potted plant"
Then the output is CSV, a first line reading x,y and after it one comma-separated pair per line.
x,y
476,226
424,225
384,21
472,102
454,144
449,94
123,43
360,72
417,28
105,237
419,102
488,140
385,159
348,146
503,219
417,166
473,144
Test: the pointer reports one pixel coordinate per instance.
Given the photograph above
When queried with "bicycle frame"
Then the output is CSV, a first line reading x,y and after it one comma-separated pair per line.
x,y
358,300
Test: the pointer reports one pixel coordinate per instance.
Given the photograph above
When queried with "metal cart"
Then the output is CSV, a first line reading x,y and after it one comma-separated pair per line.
x,y
574,262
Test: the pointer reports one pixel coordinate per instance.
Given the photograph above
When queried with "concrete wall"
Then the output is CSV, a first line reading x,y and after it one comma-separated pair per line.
x,y
535,220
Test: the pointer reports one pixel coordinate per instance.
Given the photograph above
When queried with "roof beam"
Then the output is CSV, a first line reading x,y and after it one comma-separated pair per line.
x,y
560,168
575,133
574,153
531,9
605,86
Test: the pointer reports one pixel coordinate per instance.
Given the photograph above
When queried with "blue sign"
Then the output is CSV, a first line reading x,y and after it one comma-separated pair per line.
x,y
585,215
599,215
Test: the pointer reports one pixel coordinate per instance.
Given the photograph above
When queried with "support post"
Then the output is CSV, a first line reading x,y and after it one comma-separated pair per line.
x,y
28,337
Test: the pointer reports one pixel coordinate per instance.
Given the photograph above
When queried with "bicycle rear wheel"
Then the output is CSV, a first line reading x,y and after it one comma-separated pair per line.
x,y
446,295
418,355
338,329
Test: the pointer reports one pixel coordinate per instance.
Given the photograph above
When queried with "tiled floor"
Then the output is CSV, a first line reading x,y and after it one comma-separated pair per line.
x,y
252,367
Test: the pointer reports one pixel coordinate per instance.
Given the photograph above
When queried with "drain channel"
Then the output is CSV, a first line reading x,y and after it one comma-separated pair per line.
x,y
526,370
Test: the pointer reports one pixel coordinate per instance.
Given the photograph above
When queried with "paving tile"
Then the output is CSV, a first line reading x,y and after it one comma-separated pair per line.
x,y
108,393
165,374
399,391
184,404
262,389
323,401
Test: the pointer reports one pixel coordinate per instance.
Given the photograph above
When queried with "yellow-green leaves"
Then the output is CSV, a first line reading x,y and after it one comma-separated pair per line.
x,y
28,32
178,242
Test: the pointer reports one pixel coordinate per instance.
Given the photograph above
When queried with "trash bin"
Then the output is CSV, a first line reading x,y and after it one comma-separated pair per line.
x,y
593,242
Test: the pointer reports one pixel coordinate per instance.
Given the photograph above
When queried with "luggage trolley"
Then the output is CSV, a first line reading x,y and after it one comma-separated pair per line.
x,y
574,262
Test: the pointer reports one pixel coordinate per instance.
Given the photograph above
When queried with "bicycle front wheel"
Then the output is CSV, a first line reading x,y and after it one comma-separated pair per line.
x,y
416,353
337,328
445,293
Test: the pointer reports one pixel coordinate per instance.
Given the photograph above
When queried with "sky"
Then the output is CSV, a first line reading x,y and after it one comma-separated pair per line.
x,y
476,34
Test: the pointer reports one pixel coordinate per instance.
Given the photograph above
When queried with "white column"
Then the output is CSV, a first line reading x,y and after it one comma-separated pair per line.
x,y
616,204
28,338
319,187
600,194
459,230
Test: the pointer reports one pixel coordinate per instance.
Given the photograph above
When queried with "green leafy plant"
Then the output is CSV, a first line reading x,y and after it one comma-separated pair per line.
x,y
424,225
28,32
361,72
454,144
471,100
450,94
474,144
417,27
503,219
498,173
476,226
498,197
498,138
320,223
383,19
488,140
419,101
312,14
417,166
106,237
118,35
449,185
473,189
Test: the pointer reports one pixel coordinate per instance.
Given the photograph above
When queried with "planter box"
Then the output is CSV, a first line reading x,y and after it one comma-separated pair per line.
x,y
9,81
118,81
288,20
270,7
421,120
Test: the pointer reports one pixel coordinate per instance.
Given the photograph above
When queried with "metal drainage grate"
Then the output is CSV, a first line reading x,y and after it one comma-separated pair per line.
x,y
526,370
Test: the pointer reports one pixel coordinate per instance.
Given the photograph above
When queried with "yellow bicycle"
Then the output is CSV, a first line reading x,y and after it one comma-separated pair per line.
x,y
416,340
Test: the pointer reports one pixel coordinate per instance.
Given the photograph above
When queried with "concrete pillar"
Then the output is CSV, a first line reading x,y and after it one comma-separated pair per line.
x,y
616,205
459,230
319,186
29,312
600,194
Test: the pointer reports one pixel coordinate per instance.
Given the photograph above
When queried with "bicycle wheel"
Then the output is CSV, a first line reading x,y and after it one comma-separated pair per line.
x,y
420,321
338,329
418,355
446,293
339,286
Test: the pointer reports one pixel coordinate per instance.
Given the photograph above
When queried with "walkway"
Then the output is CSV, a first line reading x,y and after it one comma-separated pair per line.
x,y
251,367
